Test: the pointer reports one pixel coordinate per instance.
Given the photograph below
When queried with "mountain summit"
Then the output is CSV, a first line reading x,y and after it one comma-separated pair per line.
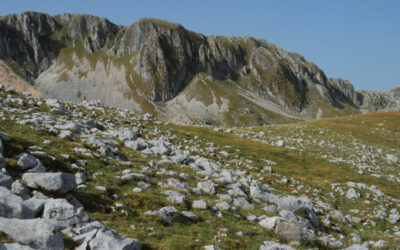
x,y
157,67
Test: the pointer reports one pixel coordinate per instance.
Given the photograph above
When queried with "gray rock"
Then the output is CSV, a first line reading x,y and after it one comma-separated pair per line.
x,y
108,239
27,161
2,161
63,213
207,167
222,205
394,218
35,204
380,244
138,144
20,189
392,158
164,212
280,143
11,206
80,178
39,168
271,245
281,226
352,194
53,182
66,134
211,247
5,180
207,187
134,176
227,176
271,208
199,204
356,238
14,246
358,247
189,215
101,188
126,135
176,199
288,230
331,242
175,183
242,203
36,233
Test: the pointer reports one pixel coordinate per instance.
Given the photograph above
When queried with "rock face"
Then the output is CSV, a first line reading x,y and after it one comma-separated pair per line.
x,y
162,68
368,100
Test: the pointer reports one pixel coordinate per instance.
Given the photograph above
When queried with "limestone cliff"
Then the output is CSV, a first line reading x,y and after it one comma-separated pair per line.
x,y
160,67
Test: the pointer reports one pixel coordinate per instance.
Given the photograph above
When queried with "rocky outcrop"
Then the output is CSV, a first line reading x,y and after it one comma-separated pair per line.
x,y
347,90
368,100
162,68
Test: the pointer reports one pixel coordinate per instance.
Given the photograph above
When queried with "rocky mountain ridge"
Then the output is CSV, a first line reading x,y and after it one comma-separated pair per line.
x,y
162,68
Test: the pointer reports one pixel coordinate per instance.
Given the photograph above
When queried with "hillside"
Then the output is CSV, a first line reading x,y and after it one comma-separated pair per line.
x,y
80,171
154,66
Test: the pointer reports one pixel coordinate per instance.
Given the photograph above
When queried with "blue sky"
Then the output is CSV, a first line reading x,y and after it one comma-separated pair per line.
x,y
356,40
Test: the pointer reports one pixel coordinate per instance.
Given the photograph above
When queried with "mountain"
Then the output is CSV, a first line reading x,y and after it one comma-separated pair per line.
x,y
157,67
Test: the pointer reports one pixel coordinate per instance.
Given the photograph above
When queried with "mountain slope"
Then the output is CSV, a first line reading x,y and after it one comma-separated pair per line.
x,y
155,66
326,184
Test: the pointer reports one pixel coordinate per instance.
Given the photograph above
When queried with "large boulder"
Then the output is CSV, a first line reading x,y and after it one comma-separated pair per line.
x,y
108,239
63,213
36,233
11,206
53,182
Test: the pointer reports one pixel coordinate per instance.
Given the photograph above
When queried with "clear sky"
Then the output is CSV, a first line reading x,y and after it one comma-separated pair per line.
x,y
356,40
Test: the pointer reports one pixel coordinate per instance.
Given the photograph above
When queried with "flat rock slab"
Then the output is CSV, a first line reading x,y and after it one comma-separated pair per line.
x,y
53,182
35,233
